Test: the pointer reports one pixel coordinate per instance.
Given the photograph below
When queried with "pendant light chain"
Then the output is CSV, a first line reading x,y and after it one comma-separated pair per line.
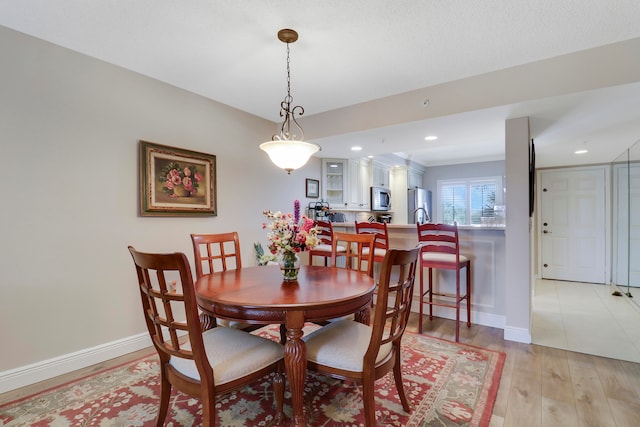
x,y
289,98
287,150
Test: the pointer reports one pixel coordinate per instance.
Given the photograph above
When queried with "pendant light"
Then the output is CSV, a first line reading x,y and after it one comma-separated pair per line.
x,y
287,150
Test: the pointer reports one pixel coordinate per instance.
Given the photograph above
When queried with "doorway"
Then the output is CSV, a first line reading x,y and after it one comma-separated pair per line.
x,y
572,224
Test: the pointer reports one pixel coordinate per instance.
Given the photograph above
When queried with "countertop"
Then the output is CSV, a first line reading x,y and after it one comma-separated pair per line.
x,y
413,226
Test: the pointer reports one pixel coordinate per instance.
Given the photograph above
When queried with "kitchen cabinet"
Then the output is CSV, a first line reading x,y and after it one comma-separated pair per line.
x,y
414,178
380,175
359,183
334,181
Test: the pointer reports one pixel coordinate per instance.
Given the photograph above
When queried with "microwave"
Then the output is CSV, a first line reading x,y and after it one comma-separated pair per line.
x,y
380,199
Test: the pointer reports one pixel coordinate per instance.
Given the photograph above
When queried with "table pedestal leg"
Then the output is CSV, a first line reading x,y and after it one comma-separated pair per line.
x,y
207,322
295,362
363,316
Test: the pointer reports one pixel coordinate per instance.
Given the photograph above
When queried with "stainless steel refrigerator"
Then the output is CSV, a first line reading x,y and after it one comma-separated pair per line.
x,y
419,208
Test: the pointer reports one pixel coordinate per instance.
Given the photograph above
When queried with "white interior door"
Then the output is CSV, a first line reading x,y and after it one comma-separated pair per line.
x,y
573,224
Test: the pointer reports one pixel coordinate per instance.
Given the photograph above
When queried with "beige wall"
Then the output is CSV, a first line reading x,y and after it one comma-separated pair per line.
x,y
69,131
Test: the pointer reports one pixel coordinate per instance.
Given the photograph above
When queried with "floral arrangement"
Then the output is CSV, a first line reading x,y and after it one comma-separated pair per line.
x,y
180,181
262,257
290,233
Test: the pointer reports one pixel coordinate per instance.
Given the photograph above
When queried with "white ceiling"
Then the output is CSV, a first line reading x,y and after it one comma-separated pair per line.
x,y
355,51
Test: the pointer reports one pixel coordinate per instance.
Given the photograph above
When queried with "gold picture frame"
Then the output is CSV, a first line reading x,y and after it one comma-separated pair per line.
x,y
176,182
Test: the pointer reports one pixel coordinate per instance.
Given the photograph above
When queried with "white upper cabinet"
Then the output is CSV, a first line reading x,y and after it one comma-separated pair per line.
x,y
380,175
414,178
359,183
334,182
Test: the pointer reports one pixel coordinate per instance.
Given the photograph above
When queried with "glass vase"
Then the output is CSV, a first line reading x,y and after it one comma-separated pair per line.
x,y
289,265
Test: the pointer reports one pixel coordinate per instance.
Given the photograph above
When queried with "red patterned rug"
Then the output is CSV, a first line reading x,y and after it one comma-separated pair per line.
x,y
447,384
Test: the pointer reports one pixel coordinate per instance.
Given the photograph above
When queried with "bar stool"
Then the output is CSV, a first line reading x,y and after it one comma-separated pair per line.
x,y
441,249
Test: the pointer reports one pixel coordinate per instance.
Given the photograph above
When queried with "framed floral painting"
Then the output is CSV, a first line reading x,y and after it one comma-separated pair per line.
x,y
176,182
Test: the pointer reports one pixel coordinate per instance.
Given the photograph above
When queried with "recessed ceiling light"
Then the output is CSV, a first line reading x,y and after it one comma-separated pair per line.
x,y
356,148
370,157
430,138
581,152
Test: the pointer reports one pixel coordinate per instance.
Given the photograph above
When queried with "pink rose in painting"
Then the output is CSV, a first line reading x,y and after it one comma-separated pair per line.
x,y
178,180
188,184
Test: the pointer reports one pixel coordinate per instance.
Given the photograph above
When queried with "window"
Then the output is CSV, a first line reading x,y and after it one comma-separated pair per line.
x,y
469,201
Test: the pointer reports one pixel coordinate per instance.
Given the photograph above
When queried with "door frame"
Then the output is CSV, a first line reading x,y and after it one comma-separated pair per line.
x,y
607,216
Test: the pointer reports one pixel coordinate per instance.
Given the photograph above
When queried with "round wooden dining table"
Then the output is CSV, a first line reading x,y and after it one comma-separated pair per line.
x,y
258,295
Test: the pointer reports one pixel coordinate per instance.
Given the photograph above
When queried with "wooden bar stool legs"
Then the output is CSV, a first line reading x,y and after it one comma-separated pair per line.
x,y
440,250
458,298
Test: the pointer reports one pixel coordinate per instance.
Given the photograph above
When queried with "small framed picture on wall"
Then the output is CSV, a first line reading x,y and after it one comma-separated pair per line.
x,y
313,188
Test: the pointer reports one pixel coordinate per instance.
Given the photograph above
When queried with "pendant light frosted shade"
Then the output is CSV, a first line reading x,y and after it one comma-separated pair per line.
x,y
287,150
289,155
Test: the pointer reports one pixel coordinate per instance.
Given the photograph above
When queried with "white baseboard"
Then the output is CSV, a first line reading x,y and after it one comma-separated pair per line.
x,y
517,334
46,369
477,317
50,368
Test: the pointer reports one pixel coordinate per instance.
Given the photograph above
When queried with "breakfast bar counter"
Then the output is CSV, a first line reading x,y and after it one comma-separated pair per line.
x,y
485,246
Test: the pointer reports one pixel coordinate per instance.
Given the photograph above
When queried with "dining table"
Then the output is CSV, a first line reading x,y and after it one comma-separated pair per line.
x,y
258,295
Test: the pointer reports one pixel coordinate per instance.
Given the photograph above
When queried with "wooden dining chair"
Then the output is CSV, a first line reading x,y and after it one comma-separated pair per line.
x,y
353,247
200,364
379,229
350,246
324,247
441,249
347,349
214,253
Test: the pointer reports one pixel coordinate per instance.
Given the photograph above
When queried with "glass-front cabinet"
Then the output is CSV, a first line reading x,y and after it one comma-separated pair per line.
x,y
334,182
346,183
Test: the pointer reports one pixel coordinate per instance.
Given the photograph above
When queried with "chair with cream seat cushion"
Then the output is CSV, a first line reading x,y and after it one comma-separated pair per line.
x,y
350,246
347,349
213,253
353,247
325,245
379,229
441,249
216,252
200,364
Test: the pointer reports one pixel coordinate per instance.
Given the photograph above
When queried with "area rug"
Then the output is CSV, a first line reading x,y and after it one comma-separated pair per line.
x,y
447,384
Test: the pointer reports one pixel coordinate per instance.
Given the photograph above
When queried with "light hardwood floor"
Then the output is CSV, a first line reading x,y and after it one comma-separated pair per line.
x,y
540,386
